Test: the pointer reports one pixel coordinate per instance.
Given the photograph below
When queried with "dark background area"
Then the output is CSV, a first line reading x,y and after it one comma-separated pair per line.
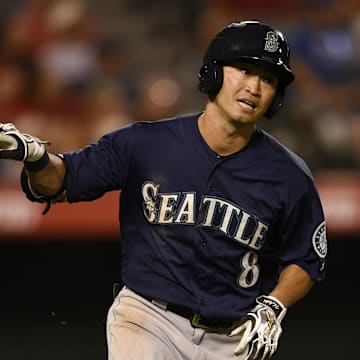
x,y
55,296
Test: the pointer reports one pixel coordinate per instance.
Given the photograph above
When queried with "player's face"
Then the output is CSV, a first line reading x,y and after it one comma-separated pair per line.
x,y
247,91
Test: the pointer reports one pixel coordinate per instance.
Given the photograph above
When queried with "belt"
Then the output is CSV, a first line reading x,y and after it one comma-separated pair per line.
x,y
210,325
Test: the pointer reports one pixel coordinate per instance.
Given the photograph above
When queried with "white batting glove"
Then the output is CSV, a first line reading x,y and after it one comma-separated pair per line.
x,y
18,146
260,329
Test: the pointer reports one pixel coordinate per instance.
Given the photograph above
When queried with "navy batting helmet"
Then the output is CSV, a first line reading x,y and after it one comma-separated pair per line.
x,y
251,40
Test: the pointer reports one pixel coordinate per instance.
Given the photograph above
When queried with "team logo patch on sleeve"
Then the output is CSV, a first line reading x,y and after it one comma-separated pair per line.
x,y
320,241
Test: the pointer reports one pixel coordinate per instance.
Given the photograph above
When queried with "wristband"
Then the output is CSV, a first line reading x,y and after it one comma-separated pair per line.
x,y
38,164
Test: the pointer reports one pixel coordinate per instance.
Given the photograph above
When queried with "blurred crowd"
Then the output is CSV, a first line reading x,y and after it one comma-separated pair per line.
x,y
72,70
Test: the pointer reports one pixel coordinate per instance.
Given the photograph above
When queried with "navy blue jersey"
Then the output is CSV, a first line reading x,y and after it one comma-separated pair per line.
x,y
197,229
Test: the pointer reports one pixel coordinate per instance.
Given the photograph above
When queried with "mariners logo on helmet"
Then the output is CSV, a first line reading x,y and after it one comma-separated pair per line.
x,y
272,43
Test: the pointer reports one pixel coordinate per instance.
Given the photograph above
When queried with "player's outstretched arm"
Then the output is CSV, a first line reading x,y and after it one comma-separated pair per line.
x,y
49,180
261,329
44,172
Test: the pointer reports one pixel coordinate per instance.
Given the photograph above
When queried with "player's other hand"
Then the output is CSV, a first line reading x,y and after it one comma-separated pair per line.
x,y
260,329
19,146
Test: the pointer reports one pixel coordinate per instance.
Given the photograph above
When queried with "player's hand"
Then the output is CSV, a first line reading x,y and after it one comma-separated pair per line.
x,y
18,146
260,329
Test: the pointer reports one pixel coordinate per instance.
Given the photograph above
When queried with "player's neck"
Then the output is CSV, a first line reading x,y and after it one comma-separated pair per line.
x,y
223,138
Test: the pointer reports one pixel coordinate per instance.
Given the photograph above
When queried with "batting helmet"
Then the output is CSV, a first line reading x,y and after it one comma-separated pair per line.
x,y
251,40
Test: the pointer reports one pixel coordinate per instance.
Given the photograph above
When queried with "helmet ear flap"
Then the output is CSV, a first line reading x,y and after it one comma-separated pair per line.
x,y
210,78
275,105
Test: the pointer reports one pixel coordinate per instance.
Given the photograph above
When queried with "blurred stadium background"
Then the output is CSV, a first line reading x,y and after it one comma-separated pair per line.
x,y
71,70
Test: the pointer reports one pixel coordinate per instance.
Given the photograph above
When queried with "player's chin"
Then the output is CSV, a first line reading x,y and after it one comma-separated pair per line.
x,y
247,117
248,114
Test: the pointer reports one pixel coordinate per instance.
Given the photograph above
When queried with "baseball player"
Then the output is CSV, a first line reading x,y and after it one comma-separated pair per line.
x,y
222,228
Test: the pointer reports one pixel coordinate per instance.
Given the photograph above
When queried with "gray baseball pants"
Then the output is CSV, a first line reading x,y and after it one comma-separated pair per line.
x,y
139,330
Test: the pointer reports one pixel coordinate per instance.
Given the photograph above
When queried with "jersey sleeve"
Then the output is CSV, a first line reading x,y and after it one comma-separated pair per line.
x,y
303,232
99,167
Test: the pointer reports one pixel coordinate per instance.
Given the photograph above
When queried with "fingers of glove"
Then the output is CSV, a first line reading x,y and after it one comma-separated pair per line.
x,y
4,127
244,330
7,141
269,343
255,350
241,328
266,351
274,339
276,333
271,351
251,351
11,147
261,345
17,146
259,350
